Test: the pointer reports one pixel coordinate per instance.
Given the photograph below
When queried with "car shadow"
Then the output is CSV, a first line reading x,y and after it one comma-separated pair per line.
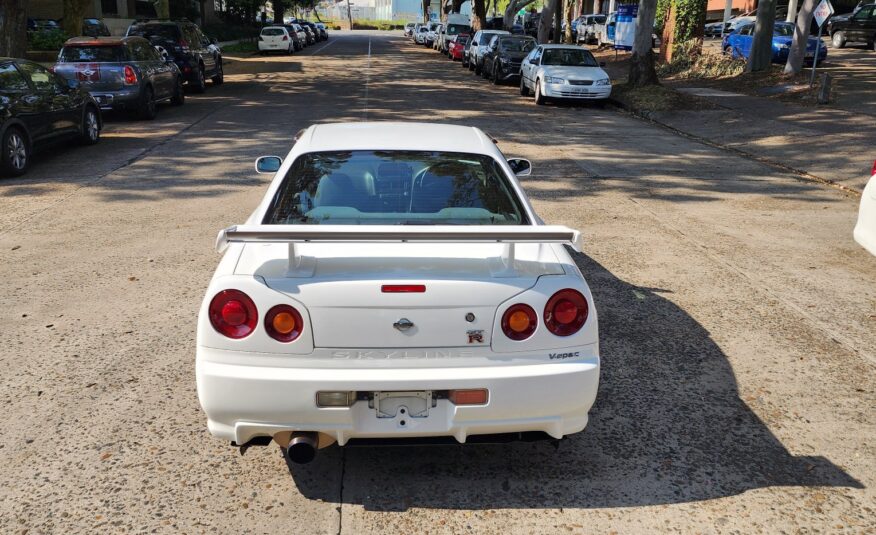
x,y
668,427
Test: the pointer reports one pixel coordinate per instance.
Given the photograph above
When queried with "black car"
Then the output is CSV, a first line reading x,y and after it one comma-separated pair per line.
x,y
197,57
859,26
504,55
314,31
37,108
297,43
94,28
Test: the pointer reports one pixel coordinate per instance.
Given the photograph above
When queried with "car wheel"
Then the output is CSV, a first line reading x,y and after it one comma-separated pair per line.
x,y
496,75
220,73
539,98
16,154
148,108
838,39
179,94
524,91
90,126
478,68
728,50
200,84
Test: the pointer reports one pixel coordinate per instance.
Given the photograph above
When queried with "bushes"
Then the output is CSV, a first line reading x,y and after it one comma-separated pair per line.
x,y
688,61
367,24
229,32
46,40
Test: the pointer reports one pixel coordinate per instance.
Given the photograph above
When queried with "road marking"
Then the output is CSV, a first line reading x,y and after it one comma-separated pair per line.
x,y
367,78
323,47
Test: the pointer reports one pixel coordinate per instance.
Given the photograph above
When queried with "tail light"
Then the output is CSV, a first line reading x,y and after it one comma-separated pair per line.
x,y
403,288
233,314
183,46
285,37
565,312
283,323
519,322
873,169
130,75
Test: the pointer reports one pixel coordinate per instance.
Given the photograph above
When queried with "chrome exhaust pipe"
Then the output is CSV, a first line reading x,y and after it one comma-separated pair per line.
x,y
302,447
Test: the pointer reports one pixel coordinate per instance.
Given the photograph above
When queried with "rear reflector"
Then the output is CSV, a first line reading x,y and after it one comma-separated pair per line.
x,y
403,288
468,397
335,399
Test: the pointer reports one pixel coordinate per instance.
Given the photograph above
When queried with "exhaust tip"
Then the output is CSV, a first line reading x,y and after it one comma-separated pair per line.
x,y
302,447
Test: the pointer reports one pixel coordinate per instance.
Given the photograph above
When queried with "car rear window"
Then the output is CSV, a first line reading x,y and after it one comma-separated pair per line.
x,y
161,32
517,45
273,31
92,54
395,187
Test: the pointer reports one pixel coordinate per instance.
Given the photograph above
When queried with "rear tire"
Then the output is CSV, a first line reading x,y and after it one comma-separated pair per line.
x,y
15,156
90,126
478,69
148,107
179,94
838,39
496,80
524,91
219,78
200,84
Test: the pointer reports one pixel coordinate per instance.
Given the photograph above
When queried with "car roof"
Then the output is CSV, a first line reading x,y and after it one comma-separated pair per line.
x,y
100,41
397,136
571,47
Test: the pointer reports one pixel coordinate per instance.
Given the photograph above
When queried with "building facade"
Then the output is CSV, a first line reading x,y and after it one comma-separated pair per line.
x,y
116,14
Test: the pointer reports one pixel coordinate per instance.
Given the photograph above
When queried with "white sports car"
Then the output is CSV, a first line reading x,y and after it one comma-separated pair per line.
x,y
395,282
563,71
865,230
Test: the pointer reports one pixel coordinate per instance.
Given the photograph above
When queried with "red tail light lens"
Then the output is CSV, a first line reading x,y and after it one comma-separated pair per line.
x,y
233,314
285,37
565,312
130,75
873,169
283,323
519,322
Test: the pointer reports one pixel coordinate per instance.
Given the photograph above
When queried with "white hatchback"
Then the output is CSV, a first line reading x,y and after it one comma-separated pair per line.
x,y
275,39
865,230
395,283
563,71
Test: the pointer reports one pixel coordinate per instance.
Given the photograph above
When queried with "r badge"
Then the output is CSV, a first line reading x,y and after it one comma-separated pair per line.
x,y
475,336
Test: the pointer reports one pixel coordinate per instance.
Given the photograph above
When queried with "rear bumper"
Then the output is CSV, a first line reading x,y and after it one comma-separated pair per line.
x,y
124,99
244,401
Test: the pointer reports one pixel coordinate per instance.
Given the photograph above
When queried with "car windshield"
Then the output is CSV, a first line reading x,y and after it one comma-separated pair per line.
x,y
272,31
783,30
517,45
599,19
395,187
95,54
569,57
163,32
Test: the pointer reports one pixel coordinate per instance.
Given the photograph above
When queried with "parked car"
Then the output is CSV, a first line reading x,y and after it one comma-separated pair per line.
x,y
478,46
713,29
465,51
323,30
590,27
275,39
439,36
297,35
197,57
36,25
738,44
432,29
456,24
858,27
456,50
413,245
865,229
121,73
38,107
504,55
563,71
309,35
95,28
409,29
420,34
310,27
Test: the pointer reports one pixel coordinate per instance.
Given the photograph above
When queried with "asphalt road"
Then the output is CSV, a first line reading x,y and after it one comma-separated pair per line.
x,y
737,315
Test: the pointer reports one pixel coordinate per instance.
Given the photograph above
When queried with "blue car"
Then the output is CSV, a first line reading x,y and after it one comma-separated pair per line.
x,y
738,43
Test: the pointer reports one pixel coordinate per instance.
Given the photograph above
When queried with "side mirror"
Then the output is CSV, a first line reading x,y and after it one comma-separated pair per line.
x,y
214,41
268,164
602,64
520,166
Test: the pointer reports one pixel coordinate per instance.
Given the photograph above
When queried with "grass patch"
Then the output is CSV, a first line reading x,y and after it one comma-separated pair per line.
x,y
689,62
654,98
246,46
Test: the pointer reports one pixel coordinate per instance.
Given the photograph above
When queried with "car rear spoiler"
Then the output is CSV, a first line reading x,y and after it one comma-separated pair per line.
x,y
292,234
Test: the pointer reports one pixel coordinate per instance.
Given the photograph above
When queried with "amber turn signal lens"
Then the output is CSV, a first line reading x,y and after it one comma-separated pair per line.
x,y
284,323
519,322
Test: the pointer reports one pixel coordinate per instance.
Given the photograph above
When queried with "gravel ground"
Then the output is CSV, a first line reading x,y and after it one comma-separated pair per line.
x,y
738,327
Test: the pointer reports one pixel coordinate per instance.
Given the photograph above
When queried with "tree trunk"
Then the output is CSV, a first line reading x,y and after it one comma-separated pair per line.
x,y
567,17
642,71
455,6
558,23
74,12
13,28
801,35
279,11
426,4
544,23
761,55
478,14
162,9
511,11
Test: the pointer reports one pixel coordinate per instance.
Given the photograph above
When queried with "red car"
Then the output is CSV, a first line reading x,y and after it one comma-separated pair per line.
x,y
457,47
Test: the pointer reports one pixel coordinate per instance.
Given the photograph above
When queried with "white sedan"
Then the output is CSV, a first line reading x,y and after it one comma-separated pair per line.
x,y
865,230
563,71
395,282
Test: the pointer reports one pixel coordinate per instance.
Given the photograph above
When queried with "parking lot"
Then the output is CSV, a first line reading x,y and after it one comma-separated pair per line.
x,y
737,322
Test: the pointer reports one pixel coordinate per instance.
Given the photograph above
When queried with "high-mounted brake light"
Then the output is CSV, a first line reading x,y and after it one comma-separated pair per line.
x,y
519,322
403,288
566,312
130,75
283,323
233,314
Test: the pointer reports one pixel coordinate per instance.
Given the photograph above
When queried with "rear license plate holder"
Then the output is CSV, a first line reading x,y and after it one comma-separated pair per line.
x,y
415,404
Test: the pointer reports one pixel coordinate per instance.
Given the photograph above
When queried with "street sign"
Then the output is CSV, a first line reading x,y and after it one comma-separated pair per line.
x,y
822,12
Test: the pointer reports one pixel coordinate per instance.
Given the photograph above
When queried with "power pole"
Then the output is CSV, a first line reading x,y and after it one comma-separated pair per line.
x,y
350,14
